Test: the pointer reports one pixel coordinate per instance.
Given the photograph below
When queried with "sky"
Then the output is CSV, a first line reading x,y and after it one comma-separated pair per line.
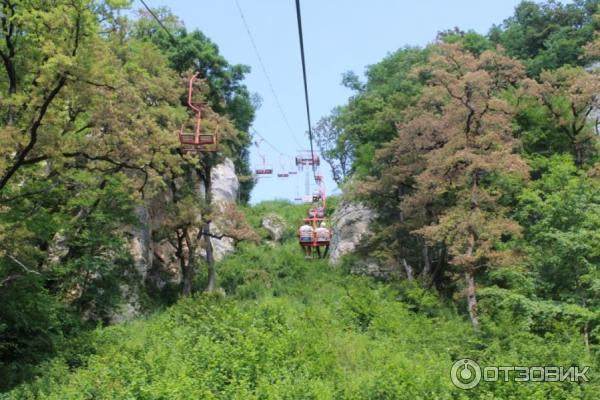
x,y
339,36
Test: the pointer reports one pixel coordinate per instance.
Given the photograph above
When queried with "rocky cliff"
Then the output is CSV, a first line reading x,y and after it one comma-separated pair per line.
x,y
350,223
154,259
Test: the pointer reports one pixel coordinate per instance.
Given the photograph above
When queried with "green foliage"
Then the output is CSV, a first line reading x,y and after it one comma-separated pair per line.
x,y
370,117
227,94
562,213
88,107
471,40
547,35
294,329
31,329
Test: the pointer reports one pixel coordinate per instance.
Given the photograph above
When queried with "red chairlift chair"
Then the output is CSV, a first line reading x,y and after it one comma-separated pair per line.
x,y
307,158
282,172
197,141
264,170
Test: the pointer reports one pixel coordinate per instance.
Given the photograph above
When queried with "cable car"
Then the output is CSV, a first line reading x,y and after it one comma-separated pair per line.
x,y
197,141
282,173
307,158
265,169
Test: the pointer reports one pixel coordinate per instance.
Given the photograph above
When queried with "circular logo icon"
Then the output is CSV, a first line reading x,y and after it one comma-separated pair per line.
x,y
465,374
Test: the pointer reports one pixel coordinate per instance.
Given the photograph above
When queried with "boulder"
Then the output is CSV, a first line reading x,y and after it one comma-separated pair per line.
x,y
350,223
274,225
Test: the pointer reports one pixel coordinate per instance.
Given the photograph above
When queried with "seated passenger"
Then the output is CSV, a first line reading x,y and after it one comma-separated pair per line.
x,y
323,238
323,234
305,234
320,212
316,197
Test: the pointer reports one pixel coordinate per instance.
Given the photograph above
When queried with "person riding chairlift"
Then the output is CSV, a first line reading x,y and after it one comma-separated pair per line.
x,y
323,238
305,234
316,197
320,212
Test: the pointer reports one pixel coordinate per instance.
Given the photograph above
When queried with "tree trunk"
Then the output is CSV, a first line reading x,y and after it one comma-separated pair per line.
x,y
438,271
426,261
12,85
470,285
578,149
188,268
188,279
210,260
586,336
408,269
472,299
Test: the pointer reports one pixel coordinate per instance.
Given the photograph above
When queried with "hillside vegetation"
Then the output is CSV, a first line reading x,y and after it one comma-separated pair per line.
x,y
481,156
478,153
292,329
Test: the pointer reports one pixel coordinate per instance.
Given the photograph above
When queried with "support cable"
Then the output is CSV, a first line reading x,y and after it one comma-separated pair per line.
x,y
159,22
271,145
310,135
268,78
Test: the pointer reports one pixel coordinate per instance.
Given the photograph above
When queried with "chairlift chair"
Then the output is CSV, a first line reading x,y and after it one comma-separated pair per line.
x,y
197,141
307,158
264,170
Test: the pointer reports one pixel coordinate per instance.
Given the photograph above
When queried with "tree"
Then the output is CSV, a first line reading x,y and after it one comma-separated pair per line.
x,y
369,119
547,35
570,95
87,117
397,166
191,212
226,94
335,148
476,147
561,213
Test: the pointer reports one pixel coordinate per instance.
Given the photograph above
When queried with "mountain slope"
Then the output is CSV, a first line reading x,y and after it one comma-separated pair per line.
x,y
292,329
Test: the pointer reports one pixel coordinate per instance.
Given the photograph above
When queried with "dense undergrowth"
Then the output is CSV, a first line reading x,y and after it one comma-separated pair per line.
x,y
292,329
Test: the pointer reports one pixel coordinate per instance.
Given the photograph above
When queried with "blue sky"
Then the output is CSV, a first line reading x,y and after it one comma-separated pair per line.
x,y
338,36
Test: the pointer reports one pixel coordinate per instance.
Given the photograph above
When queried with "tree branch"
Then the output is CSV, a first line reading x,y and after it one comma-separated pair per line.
x,y
33,134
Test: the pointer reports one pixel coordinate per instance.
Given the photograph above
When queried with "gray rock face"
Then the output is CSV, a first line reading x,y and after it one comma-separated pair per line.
x,y
141,242
225,183
225,189
350,223
221,247
274,225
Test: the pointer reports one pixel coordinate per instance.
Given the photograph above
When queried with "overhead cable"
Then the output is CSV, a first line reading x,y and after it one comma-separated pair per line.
x,y
264,69
310,135
159,22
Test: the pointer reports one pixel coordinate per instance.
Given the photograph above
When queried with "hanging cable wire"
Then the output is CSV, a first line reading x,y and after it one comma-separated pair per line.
x,y
264,69
254,131
310,135
159,22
